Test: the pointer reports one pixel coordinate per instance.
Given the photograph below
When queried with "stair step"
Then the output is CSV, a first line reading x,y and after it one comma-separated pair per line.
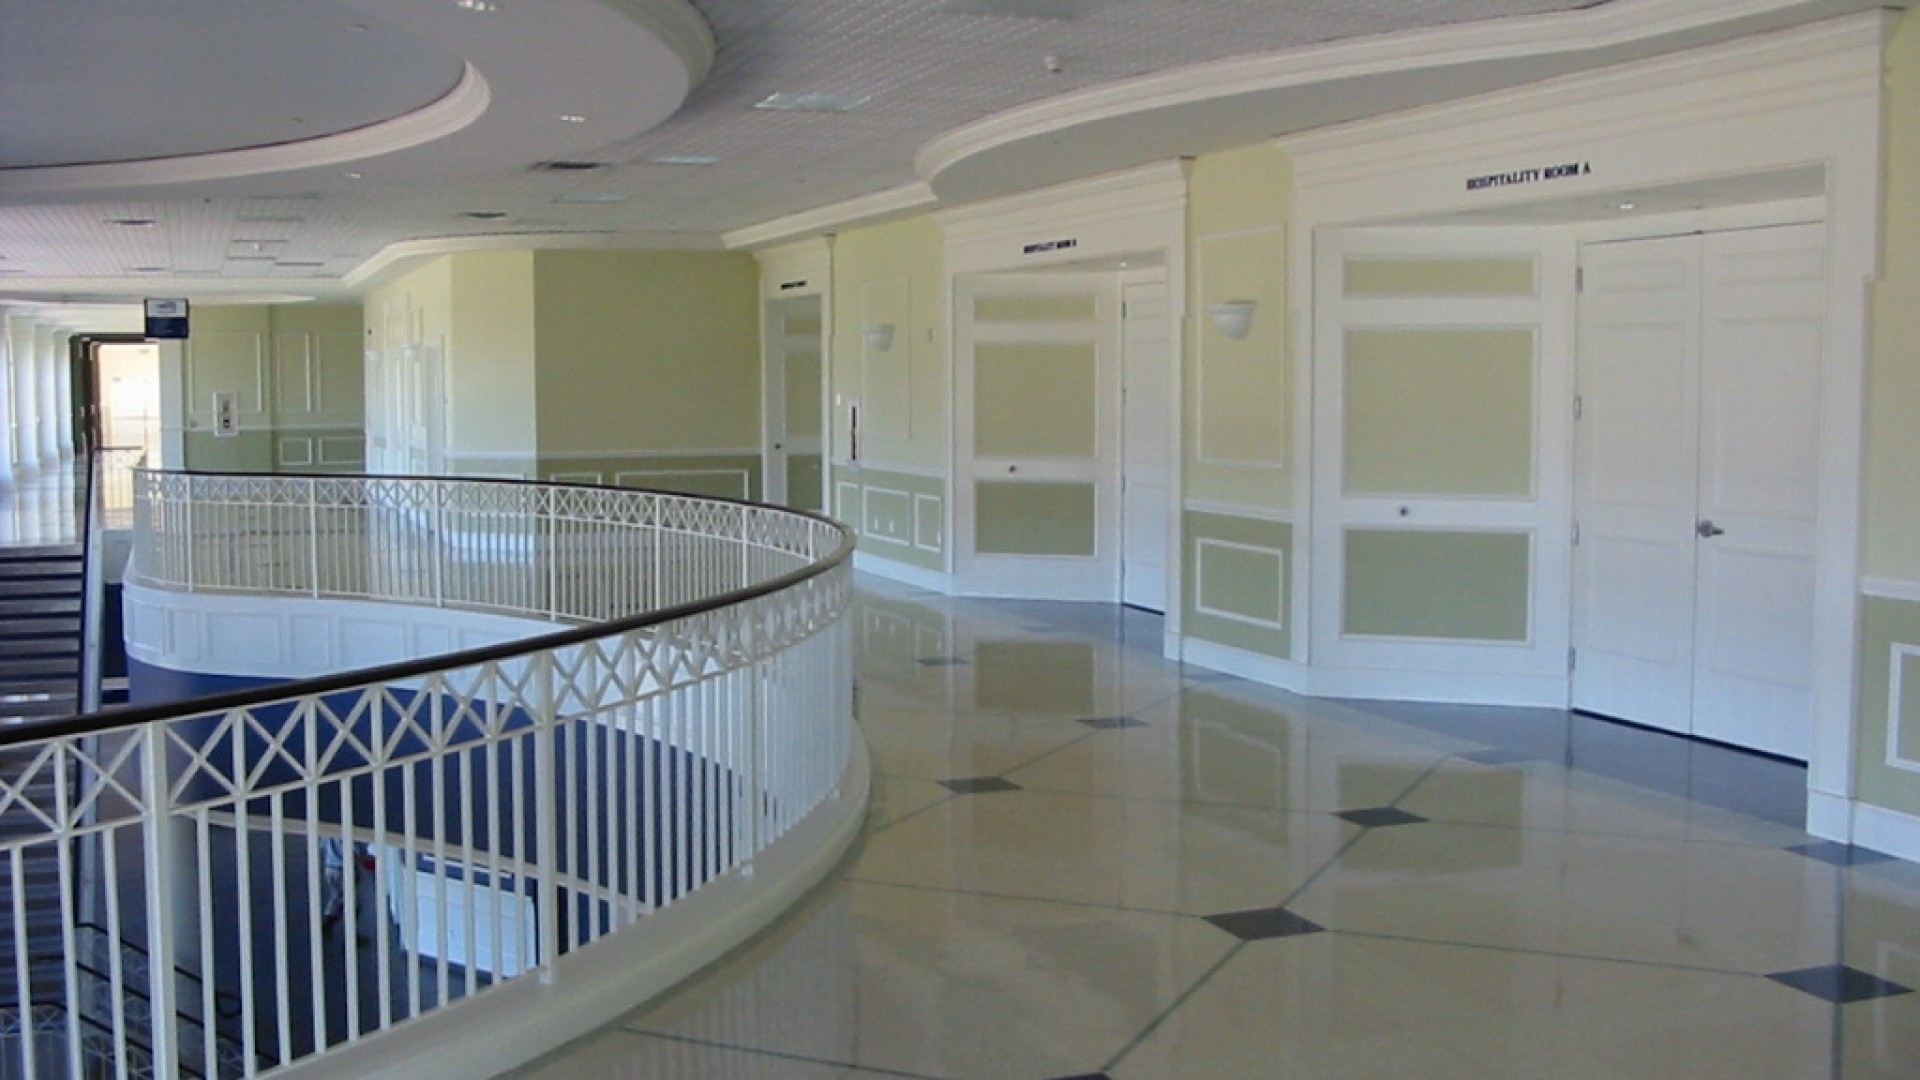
x,y
50,645
14,607
40,551
31,626
37,668
40,706
42,568
41,586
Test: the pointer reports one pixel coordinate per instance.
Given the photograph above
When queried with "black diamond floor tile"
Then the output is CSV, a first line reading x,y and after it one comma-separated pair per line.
x,y
1108,723
1827,851
944,661
1262,923
979,785
1839,984
1380,817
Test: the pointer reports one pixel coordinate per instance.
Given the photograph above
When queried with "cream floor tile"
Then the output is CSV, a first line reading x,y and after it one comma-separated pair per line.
x,y
935,748
1720,906
629,1055
897,797
946,985
1286,763
1145,855
1333,1005
1539,795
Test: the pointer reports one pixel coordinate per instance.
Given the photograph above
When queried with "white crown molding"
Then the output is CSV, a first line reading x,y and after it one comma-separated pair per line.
x,y
396,259
1588,31
1161,185
1885,588
459,108
1790,68
865,210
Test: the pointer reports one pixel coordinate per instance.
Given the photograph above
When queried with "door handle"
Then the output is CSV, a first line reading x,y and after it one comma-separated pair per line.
x,y
1707,529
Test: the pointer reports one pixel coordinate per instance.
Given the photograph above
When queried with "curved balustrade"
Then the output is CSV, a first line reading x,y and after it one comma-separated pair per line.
x,y
474,856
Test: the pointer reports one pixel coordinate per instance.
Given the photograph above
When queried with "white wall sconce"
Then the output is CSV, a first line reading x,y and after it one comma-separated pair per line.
x,y
1233,318
880,337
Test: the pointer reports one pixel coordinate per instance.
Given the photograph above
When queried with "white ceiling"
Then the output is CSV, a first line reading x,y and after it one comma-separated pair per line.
x,y
224,149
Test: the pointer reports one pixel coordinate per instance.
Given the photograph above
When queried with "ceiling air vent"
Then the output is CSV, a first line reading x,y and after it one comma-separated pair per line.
x,y
568,166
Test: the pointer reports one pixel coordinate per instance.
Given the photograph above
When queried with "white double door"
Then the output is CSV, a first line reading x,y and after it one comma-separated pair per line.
x,y
1697,483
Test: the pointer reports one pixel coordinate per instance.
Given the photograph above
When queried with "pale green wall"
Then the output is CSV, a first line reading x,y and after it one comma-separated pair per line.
x,y
1466,586
491,357
1893,448
1238,394
1035,399
1238,592
646,351
298,376
1893,441
1439,411
1238,406
896,274
895,496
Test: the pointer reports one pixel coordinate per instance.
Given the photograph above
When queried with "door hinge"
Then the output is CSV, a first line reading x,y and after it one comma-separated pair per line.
x,y
1576,534
1573,658
1579,406
1579,279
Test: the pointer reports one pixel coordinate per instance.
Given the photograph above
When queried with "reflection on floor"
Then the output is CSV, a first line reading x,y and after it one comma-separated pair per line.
x,y
40,507
1084,861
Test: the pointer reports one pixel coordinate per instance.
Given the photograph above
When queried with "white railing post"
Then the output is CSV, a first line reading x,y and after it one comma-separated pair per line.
x,y
546,814
313,538
160,872
187,541
547,497
437,552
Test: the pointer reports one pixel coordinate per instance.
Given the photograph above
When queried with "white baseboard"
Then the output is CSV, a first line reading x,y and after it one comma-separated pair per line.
x,y
905,573
1259,667
1478,688
1887,831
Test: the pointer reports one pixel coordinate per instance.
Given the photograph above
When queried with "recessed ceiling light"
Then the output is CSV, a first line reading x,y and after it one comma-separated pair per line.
x,y
355,176
684,159
568,166
828,103
1623,206
573,118
133,222
483,215
477,6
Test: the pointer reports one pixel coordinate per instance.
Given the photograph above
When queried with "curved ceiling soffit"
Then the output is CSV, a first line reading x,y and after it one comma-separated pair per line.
x,y
1206,107
654,53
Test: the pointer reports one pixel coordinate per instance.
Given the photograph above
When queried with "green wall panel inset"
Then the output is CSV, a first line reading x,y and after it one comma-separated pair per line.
x,y
803,482
1228,573
1401,276
1440,411
1238,580
1034,400
1033,518
1886,624
1034,309
1466,586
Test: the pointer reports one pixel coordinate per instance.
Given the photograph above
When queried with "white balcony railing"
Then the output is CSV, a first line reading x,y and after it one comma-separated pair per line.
x,y
326,877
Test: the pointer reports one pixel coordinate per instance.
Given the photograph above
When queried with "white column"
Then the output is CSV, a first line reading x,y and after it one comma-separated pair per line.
x,y
26,395
63,396
8,399
47,425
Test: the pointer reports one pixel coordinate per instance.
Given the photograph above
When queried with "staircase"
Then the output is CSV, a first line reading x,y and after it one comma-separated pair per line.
x,y
41,590
40,641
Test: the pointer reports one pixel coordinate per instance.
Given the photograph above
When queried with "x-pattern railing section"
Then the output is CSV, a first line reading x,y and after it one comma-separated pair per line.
x,y
357,851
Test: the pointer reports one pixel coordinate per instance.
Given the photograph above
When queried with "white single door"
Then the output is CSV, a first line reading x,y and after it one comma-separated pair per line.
x,y
1763,331
1036,500
793,457
1635,473
1146,462
1697,483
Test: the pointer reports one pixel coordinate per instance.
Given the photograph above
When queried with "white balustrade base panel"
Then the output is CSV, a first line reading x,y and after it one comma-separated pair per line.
x,y
286,637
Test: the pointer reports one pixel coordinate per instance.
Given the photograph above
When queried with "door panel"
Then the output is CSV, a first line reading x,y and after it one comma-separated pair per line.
x,y
1635,464
1037,441
1764,304
1146,460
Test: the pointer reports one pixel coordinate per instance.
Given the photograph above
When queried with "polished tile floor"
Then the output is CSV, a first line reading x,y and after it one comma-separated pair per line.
x,y
1084,861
